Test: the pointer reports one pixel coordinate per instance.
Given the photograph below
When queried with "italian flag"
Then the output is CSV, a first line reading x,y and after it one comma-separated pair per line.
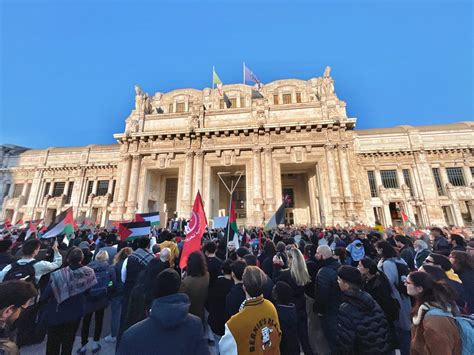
x,y
132,230
152,217
64,225
217,81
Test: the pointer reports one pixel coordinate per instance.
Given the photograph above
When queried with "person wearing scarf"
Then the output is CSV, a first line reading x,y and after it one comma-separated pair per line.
x,y
64,299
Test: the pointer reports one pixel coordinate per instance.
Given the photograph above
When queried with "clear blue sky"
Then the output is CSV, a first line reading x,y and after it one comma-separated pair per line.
x,y
68,67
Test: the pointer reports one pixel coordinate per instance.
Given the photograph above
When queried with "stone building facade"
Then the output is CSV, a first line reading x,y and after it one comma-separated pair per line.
x,y
292,139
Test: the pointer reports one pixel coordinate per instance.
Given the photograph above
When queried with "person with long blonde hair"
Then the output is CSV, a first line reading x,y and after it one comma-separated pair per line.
x,y
297,277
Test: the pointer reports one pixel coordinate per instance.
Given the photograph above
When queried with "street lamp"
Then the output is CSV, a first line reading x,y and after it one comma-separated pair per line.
x,y
231,190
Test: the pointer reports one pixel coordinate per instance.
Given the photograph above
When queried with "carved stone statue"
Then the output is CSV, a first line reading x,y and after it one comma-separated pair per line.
x,y
140,98
327,72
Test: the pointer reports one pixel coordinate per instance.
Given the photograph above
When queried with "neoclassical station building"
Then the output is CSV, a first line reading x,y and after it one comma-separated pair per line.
x,y
291,139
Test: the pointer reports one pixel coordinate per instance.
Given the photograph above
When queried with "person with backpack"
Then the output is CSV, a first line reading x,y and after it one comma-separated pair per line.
x,y
28,268
396,270
97,300
435,330
6,257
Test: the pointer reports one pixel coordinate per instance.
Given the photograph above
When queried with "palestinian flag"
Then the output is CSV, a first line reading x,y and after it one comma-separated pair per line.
x,y
31,229
19,224
64,225
132,230
152,217
232,226
279,216
406,220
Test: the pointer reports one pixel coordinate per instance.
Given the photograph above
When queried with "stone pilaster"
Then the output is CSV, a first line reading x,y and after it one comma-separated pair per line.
x,y
133,189
124,183
257,185
467,174
198,163
187,183
269,195
332,171
344,165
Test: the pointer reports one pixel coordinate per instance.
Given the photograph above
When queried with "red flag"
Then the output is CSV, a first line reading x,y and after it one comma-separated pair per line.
x,y
194,231
404,217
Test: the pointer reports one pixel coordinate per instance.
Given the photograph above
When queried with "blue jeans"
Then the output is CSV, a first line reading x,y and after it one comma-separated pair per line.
x,y
116,309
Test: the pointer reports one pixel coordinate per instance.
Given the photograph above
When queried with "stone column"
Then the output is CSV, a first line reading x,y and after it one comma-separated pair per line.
x,y
344,165
198,161
444,178
134,175
124,182
94,186
257,186
187,183
109,187
400,178
269,197
24,189
332,171
467,175
378,181
51,188
386,214
66,187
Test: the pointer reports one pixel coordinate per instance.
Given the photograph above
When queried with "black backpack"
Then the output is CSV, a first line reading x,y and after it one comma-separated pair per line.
x,y
24,272
403,270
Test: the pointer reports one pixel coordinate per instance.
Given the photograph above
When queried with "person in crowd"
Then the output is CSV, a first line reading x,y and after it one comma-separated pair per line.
x,y
396,269
297,277
214,264
406,250
245,332
237,294
196,283
28,266
241,252
64,300
169,242
117,294
457,242
470,247
421,252
170,329
252,260
131,269
152,270
86,250
361,324
439,241
463,265
443,262
231,251
433,331
282,295
109,246
327,294
97,300
218,292
15,297
266,258
356,251
6,257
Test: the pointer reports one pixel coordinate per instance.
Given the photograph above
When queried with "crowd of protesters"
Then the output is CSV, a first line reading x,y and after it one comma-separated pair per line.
x,y
291,290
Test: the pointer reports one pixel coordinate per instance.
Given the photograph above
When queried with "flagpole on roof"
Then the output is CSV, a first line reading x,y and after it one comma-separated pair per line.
x,y
213,71
244,71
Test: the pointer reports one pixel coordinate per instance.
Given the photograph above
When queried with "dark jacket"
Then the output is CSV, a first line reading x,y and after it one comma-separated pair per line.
x,y
420,257
298,298
218,292
137,262
407,253
96,303
313,267
6,258
467,278
214,267
379,288
118,290
170,330
441,245
72,309
233,300
267,265
151,272
326,289
361,325
289,344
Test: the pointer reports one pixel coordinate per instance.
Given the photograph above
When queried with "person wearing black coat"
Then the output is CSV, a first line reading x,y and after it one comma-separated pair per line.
x,y
463,264
282,294
406,250
361,324
6,257
217,300
152,270
327,295
169,329
214,264
237,294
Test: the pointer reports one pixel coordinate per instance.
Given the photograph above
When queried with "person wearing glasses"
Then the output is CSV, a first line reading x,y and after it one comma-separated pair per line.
x,y
433,331
14,298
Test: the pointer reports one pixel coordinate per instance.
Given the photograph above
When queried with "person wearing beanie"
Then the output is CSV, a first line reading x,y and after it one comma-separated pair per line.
x,y
169,320
282,295
443,262
361,324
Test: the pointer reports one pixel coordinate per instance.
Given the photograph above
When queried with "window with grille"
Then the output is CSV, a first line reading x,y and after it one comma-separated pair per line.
x,y
90,185
233,102
286,99
372,183
455,176
6,189
298,97
180,107
17,189
69,192
472,171
46,188
437,179
221,104
407,178
58,188
389,179
170,108
275,99
102,187
242,102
